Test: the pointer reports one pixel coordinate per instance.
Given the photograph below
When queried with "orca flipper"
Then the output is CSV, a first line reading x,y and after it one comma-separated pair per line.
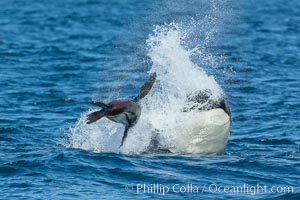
x,y
124,135
145,89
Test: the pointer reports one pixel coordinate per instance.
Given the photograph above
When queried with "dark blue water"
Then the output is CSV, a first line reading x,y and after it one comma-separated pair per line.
x,y
55,56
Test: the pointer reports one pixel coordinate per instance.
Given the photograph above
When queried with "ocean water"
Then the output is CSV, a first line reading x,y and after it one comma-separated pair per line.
x,y
55,57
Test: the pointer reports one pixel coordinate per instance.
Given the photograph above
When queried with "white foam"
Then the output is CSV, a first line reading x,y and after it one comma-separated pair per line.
x,y
177,76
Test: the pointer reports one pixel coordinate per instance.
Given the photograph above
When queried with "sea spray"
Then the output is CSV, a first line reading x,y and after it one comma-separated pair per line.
x,y
97,137
177,77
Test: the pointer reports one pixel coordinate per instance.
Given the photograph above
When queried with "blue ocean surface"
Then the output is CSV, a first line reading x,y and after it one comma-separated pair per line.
x,y
57,56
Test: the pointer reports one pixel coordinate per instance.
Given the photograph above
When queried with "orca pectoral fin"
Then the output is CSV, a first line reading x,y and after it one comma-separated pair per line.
x,y
124,135
94,116
145,89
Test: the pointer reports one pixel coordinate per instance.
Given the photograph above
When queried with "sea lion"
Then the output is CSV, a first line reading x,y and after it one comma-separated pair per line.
x,y
125,111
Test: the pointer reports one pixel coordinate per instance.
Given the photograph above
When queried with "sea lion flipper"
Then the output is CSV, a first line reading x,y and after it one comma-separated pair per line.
x,y
145,89
124,135
94,116
99,103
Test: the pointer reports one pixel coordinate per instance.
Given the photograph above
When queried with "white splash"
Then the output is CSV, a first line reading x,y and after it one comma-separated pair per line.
x,y
177,77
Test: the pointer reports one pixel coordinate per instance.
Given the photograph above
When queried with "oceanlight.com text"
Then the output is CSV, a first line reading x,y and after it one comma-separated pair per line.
x,y
245,188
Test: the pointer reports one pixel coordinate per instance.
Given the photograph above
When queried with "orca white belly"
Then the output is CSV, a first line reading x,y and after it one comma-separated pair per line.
x,y
203,132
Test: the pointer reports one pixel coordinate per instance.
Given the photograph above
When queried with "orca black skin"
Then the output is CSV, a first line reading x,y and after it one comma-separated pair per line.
x,y
202,101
